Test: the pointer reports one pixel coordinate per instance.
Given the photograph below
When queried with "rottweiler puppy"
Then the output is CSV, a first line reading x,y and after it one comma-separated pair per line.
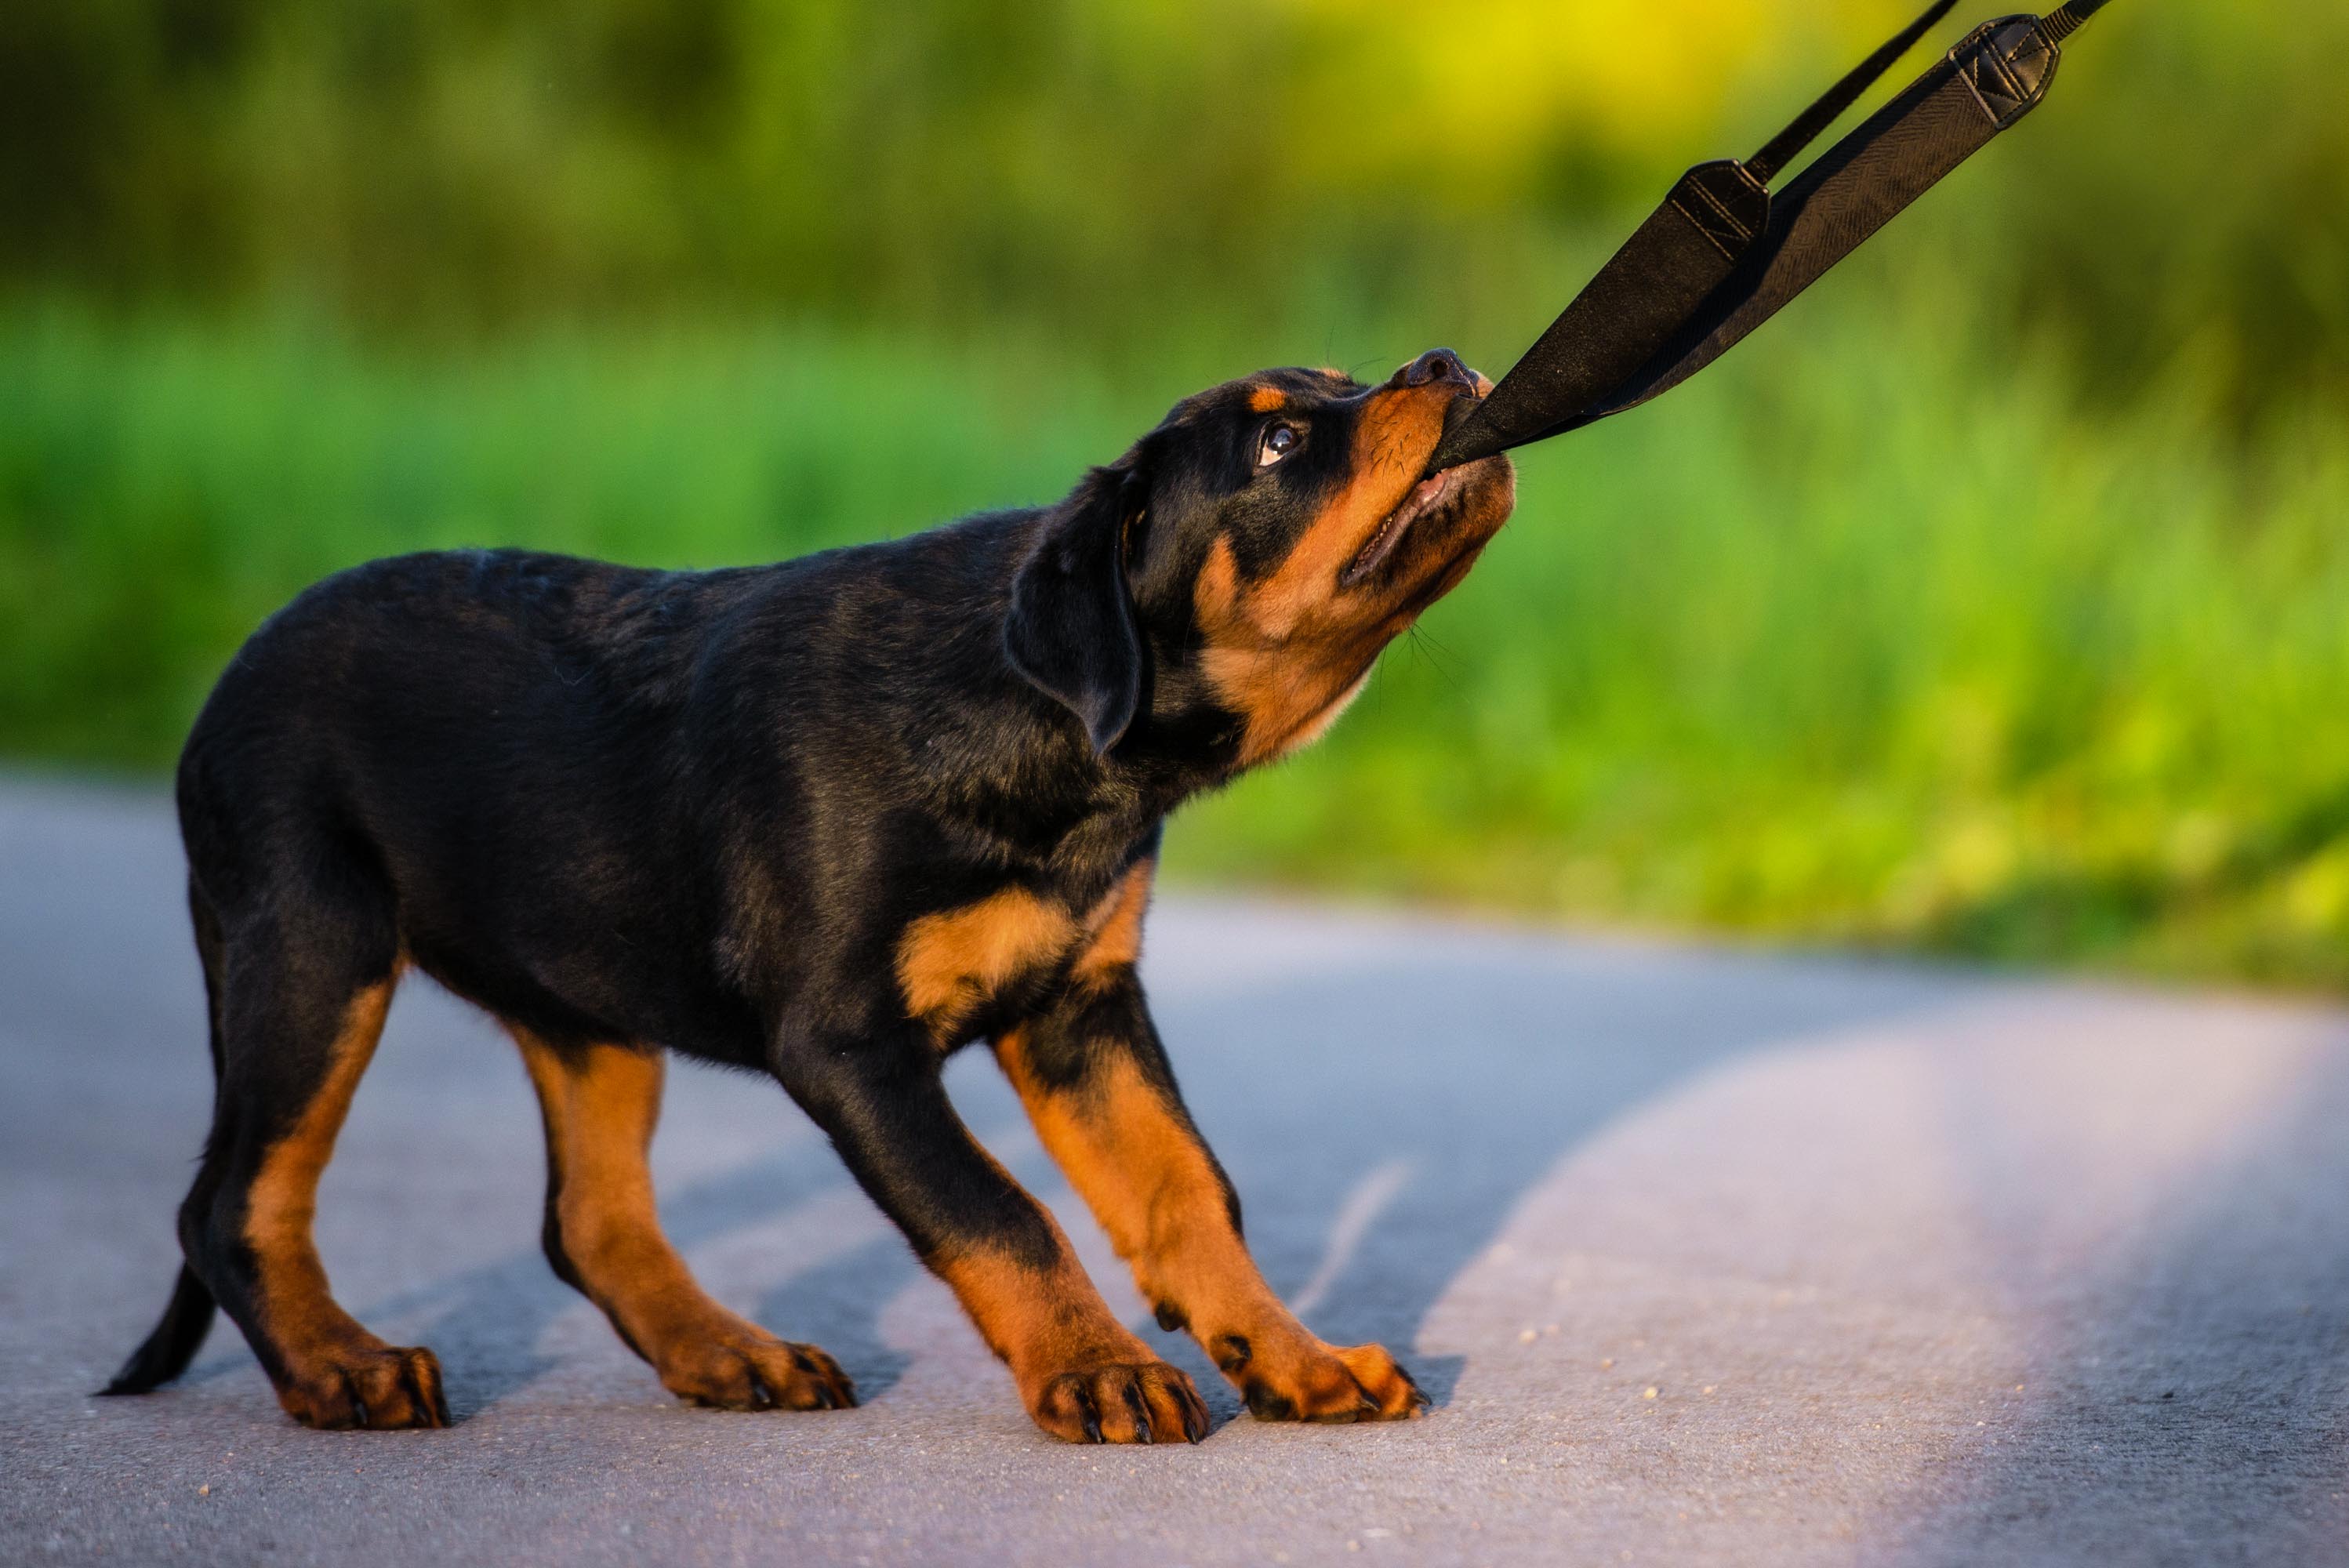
x,y
831,820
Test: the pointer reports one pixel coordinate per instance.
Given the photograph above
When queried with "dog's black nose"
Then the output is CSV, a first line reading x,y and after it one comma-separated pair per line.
x,y
1435,364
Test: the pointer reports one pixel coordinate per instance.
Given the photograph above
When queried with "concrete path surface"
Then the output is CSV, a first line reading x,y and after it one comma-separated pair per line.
x,y
1707,1257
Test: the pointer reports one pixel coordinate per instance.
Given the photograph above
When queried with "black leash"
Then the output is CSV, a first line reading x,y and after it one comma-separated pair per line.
x,y
1722,255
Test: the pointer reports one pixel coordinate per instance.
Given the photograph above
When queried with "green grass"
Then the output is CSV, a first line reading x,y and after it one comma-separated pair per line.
x,y
1858,637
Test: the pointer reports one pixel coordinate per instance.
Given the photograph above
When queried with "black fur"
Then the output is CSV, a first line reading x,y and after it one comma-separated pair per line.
x,y
167,1352
1070,626
700,810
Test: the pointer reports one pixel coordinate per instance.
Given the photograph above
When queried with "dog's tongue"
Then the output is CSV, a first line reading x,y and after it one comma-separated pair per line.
x,y
1422,496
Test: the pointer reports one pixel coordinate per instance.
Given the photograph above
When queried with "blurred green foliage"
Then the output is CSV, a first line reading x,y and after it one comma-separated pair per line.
x,y
1995,599
1115,173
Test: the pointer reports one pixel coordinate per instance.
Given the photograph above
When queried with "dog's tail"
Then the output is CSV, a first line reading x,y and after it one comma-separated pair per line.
x,y
176,1339
174,1343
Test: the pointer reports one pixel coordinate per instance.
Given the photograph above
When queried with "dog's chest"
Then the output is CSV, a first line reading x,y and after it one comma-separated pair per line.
x,y
955,964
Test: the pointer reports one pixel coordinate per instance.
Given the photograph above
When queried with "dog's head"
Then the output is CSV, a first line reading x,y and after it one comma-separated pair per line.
x,y
1246,561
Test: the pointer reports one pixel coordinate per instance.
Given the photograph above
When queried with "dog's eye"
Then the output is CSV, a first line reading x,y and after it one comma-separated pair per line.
x,y
1278,442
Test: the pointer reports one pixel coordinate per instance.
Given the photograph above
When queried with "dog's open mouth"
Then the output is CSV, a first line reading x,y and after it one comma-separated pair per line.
x,y
1424,498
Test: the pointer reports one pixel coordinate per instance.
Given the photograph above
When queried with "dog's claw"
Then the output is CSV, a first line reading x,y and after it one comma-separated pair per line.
x,y
1089,1416
1316,1382
1118,1401
1139,1409
1194,1416
741,1367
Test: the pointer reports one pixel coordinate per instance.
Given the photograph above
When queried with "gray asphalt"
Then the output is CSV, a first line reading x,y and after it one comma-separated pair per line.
x,y
1708,1256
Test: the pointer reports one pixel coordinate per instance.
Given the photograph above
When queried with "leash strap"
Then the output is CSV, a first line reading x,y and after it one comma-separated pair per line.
x,y
1654,285
1722,255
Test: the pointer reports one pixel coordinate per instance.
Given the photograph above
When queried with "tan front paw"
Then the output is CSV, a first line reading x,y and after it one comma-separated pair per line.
x,y
365,1384
1301,1379
746,1368
1143,1400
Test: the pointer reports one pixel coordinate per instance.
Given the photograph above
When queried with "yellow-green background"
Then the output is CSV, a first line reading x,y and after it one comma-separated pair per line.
x,y
1995,599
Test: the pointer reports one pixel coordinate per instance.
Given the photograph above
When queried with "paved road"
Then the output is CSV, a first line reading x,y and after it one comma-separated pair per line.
x,y
1709,1258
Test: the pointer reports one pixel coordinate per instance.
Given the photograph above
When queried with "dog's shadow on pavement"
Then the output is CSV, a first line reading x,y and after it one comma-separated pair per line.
x,y
1382,1123
1381,1120
487,1324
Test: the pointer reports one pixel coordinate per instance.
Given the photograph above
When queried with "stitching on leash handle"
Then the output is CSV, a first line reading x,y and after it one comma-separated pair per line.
x,y
1722,255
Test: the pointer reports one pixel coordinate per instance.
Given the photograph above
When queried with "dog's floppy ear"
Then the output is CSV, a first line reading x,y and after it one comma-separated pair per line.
x,y
1071,629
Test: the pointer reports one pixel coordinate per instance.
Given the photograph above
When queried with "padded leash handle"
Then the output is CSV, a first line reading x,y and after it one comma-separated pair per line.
x,y
1659,311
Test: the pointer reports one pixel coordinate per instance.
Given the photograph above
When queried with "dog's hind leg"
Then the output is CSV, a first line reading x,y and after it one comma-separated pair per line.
x,y
306,980
604,1237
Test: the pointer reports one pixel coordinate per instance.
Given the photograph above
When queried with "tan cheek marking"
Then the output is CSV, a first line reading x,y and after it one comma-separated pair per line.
x,y
1397,432
1268,399
1216,593
1117,928
1285,655
1287,704
950,963
1317,725
1279,687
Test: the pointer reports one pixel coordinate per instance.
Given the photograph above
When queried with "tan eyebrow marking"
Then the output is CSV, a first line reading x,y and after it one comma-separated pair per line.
x,y
1268,399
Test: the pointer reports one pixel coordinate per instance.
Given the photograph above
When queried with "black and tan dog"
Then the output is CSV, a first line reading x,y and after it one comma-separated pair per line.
x,y
831,820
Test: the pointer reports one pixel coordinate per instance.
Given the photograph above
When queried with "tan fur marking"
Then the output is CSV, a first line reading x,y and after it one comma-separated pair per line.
x,y
1399,428
1316,724
1290,652
1117,927
1268,399
1039,1321
1287,690
312,1336
950,963
1074,1362
601,1104
282,1203
1152,1184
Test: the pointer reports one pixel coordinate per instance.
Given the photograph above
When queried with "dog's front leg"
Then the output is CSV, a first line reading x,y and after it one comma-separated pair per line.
x,y
1095,1081
1083,1375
